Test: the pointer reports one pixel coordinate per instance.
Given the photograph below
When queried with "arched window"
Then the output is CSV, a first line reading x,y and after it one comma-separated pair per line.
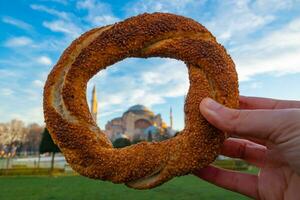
x,y
141,124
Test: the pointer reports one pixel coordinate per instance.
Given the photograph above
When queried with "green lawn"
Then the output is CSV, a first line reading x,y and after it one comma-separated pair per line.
x,y
76,187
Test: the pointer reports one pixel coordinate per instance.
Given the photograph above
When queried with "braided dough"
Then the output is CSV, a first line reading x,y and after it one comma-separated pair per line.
x,y
144,165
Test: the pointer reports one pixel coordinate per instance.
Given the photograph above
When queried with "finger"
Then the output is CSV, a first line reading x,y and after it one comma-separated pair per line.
x,y
235,181
266,103
255,140
246,150
268,125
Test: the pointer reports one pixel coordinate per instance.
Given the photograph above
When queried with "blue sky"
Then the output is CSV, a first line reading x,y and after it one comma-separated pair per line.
x,y
263,38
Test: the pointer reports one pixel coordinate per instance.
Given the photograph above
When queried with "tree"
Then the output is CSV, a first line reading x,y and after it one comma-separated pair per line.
x,y
12,133
11,136
149,139
47,146
121,142
33,138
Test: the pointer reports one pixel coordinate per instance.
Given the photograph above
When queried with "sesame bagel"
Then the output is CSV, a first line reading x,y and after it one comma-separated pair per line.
x,y
147,164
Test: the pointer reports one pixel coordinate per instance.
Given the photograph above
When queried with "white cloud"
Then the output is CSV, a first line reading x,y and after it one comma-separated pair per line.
x,y
171,78
63,27
6,91
38,83
64,2
33,95
16,22
65,22
183,7
277,52
104,20
8,73
150,84
235,20
108,113
44,60
230,21
99,14
273,50
18,41
255,85
32,114
272,5
60,14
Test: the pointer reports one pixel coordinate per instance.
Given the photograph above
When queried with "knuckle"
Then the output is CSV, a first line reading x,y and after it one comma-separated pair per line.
x,y
235,114
290,117
233,120
288,122
276,105
241,151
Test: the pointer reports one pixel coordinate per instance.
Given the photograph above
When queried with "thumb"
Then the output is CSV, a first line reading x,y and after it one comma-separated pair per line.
x,y
262,124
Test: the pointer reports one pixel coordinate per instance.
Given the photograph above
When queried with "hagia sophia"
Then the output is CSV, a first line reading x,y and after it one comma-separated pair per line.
x,y
136,124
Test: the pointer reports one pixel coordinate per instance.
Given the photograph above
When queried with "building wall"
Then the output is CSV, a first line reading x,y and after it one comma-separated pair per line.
x,y
132,124
130,120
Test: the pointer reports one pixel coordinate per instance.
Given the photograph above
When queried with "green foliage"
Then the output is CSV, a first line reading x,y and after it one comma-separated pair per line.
x,y
47,145
233,164
121,142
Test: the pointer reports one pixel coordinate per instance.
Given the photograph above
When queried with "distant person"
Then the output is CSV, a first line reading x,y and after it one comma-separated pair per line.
x,y
271,132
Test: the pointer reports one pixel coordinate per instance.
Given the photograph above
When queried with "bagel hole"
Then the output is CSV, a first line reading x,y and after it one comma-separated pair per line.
x,y
138,98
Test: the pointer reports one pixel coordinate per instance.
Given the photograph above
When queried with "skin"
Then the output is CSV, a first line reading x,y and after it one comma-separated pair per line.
x,y
269,137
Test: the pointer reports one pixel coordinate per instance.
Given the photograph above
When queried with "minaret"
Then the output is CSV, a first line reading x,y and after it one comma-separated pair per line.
x,y
94,104
184,117
171,118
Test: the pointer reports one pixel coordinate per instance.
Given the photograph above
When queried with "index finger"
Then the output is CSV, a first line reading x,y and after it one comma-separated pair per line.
x,y
268,125
266,103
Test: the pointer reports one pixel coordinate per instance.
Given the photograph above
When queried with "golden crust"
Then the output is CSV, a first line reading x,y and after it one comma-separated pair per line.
x,y
144,165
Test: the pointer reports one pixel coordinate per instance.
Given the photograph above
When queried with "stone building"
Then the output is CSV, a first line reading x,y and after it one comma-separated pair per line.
x,y
137,123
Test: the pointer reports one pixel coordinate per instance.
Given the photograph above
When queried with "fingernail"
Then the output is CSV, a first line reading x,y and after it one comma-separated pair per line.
x,y
211,104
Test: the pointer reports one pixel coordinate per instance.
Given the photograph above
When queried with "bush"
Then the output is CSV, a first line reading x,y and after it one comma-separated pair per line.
x,y
30,171
121,142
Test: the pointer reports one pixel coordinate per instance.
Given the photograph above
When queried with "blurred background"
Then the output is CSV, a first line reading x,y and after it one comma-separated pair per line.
x,y
135,99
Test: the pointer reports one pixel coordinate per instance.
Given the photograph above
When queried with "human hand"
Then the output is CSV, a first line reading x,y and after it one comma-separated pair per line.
x,y
271,140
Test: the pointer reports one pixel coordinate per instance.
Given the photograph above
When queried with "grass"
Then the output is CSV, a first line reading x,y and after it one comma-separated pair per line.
x,y
77,187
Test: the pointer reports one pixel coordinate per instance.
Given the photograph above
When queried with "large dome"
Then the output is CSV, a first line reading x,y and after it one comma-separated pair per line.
x,y
139,109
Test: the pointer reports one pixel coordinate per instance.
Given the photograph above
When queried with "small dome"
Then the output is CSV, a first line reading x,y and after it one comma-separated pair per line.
x,y
164,125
